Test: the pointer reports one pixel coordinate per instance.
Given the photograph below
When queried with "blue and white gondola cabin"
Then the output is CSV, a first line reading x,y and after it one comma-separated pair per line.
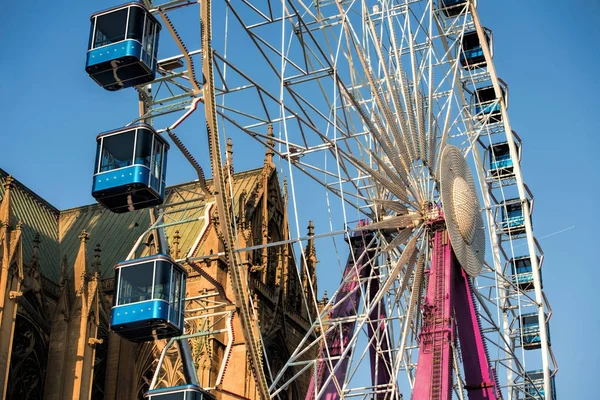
x,y
522,272
149,299
535,388
530,332
130,170
123,47
452,8
501,164
487,108
183,392
513,220
471,55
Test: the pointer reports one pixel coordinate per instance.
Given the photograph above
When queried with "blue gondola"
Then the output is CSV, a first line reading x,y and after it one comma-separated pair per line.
x,y
149,299
501,164
530,332
513,220
522,272
183,392
123,47
452,8
130,168
471,55
535,388
487,108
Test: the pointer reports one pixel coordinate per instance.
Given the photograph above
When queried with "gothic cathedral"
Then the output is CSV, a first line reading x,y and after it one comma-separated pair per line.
x,y
57,283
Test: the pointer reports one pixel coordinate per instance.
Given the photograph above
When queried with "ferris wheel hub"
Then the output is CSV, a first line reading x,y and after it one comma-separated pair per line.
x,y
465,208
461,209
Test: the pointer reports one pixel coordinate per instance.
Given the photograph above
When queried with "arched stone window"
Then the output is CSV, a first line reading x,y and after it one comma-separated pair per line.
x,y
28,361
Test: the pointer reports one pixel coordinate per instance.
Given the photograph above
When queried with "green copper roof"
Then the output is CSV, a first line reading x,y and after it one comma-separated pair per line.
x,y
115,233
37,216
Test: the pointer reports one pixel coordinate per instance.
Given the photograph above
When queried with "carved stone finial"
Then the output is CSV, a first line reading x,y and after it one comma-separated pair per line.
x,y
97,251
13,294
36,247
270,146
5,214
8,183
270,142
310,253
176,239
230,155
242,208
84,236
285,191
323,301
229,146
97,264
93,342
80,273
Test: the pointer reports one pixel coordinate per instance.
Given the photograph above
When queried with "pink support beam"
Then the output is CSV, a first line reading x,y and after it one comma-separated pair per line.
x,y
433,379
450,300
381,364
345,304
480,381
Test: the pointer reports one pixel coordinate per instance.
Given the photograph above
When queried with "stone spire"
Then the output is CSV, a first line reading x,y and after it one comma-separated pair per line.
x,y
176,238
286,235
32,277
310,255
270,146
76,325
80,274
5,205
97,264
310,247
242,209
323,301
230,155
11,278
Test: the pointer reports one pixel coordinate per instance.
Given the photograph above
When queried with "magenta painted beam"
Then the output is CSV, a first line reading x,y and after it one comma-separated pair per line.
x,y
433,380
345,304
480,381
381,364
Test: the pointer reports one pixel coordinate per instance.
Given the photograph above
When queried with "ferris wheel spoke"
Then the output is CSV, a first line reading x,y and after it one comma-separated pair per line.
x,y
399,112
400,178
393,223
391,205
401,162
400,238
397,190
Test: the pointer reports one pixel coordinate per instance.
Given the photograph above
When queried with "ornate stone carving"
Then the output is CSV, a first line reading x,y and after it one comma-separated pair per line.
x,y
94,342
28,362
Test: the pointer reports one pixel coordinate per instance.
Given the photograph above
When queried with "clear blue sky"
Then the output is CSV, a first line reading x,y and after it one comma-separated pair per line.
x,y
545,50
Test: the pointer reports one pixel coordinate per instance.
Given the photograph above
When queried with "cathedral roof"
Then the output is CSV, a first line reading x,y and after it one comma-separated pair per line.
x,y
115,233
37,216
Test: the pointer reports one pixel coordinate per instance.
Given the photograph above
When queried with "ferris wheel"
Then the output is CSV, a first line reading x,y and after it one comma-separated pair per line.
x,y
390,124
